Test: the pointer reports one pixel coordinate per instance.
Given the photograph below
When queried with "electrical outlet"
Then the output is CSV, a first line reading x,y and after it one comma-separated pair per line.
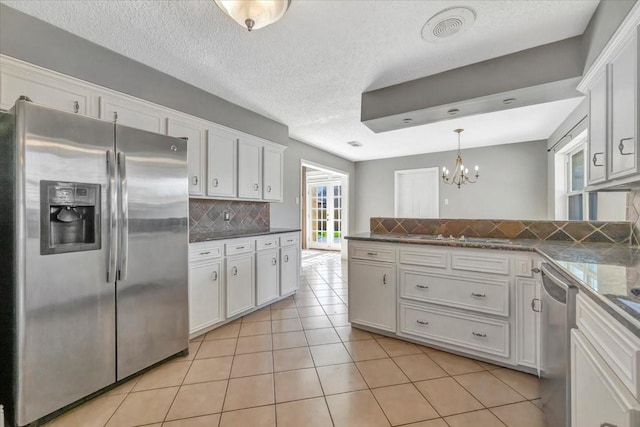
x,y
226,216
446,202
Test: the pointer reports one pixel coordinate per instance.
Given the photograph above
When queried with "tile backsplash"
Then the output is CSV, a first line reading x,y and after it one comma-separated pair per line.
x,y
207,216
572,231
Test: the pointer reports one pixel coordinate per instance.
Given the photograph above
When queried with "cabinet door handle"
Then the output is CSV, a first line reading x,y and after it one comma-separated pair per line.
x,y
422,287
621,147
473,294
268,189
255,187
76,106
535,270
533,305
274,261
215,182
595,160
422,322
268,244
194,180
286,258
239,248
372,253
234,270
384,279
214,276
477,334
205,253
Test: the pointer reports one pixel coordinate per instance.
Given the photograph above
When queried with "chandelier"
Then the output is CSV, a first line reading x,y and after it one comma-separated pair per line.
x,y
460,173
254,14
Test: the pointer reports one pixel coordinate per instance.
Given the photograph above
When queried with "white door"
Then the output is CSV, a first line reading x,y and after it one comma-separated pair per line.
x,y
249,170
267,272
240,284
324,216
196,135
289,269
417,193
204,296
222,163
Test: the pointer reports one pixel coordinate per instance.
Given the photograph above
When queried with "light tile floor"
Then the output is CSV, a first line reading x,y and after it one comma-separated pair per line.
x,y
298,363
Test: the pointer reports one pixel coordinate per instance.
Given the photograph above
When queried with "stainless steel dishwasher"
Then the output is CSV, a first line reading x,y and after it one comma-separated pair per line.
x,y
558,317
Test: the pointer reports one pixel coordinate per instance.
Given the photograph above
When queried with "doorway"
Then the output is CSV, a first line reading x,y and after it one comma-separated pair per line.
x,y
324,211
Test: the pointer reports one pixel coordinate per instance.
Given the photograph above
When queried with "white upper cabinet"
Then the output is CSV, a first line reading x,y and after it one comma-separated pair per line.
x,y
249,169
222,163
132,113
196,135
598,135
272,174
42,87
624,72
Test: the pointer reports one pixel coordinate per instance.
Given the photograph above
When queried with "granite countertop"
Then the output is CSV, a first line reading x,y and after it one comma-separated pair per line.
x,y
609,273
206,237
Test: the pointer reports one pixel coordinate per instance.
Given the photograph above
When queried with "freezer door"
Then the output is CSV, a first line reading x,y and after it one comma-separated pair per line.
x,y
65,303
152,289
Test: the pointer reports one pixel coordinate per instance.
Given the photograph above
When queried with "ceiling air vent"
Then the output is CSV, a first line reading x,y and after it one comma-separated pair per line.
x,y
354,143
448,23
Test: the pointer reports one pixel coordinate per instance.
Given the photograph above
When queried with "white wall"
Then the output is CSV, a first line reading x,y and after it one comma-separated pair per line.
x,y
512,184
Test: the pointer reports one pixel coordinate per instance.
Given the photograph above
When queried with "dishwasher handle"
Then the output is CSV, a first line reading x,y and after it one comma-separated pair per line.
x,y
554,284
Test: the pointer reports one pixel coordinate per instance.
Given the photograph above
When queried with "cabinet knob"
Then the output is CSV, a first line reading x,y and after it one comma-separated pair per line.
x,y
384,279
256,186
215,182
76,106
268,189
274,261
234,270
533,305
621,147
535,270
286,258
214,276
594,160
194,180
115,117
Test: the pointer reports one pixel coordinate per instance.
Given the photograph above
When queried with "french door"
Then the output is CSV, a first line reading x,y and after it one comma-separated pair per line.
x,y
324,216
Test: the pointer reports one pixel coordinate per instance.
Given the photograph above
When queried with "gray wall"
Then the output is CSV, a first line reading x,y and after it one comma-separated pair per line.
x,y
512,184
287,213
35,41
604,22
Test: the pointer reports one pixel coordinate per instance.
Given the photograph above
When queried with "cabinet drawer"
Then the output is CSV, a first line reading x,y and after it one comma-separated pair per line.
x,y
373,253
425,257
476,294
289,239
473,332
238,247
598,397
480,262
617,346
204,250
270,242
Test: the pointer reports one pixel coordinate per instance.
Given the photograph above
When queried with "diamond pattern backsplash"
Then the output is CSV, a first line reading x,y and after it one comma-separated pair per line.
x,y
207,216
572,231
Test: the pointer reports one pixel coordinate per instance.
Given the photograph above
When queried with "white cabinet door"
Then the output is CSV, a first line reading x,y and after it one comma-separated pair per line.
x,y
240,284
272,182
598,397
204,295
289,269
527,321
42,88
623,115
267,275
249,169
222,163
196,135
598,136
372,294
132,113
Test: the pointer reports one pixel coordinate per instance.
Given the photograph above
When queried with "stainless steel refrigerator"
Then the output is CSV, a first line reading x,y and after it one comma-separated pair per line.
x,y
93,239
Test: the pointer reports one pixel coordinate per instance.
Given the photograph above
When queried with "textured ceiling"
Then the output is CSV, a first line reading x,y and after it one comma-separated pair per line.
x,y
308,70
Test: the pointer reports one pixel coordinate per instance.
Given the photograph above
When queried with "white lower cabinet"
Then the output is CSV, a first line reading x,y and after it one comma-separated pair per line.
x,y
372,294
528,321
205,289
267,276
598,397
240,283
289,269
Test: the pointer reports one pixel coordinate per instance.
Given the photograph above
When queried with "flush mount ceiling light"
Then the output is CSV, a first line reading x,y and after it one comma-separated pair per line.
x,y
460,174
254,14
448,23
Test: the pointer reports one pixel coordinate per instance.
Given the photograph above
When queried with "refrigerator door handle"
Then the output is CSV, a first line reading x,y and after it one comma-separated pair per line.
x,y
113,216
124,215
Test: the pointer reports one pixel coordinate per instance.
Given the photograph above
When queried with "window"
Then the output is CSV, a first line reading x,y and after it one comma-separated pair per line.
x,y
581,205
